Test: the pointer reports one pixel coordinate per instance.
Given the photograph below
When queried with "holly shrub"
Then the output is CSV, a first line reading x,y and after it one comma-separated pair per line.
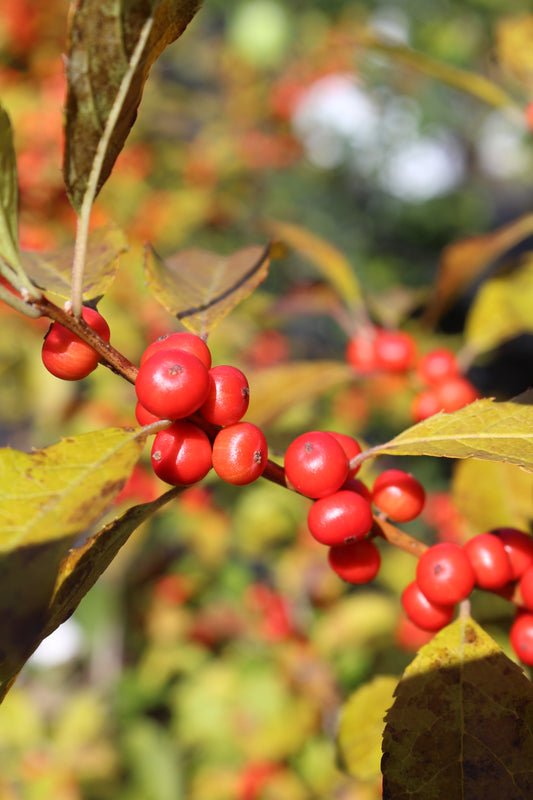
x,y
265,417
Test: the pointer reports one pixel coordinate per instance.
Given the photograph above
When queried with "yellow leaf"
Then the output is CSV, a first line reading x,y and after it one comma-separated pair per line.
x,y
462,723
333,265
461,262
200,287
361,727
47,498
484,429
492,494
514,46
501,310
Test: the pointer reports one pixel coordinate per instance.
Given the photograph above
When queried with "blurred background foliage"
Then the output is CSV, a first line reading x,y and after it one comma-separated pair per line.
x,y
211,660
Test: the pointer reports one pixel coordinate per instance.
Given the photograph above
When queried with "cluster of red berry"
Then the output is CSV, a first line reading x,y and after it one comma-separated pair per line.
x,y
205,405
318,465
499,561
445,389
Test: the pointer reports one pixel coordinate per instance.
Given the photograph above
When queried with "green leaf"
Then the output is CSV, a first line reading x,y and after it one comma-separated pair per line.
x,y
333,265
501,310
47,499
53,271
461,262
470,82
462,723
361,727
101,42
492,494
277,389
201,287
9,249
484,429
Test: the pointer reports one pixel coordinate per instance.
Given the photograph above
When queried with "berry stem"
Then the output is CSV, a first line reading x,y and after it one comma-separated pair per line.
x,y
109,357
397,537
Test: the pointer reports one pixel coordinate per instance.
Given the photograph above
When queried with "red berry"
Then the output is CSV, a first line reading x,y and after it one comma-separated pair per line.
x,y
425,405
356,485
143,416
180,341
423,612
519,548
65,355
356,562
240,453
437,366
526,588
339,518
181,454
490,561
228,396
444,574
399,495
456,393
316,464
521,637
172,384
351,448
361,352
395,350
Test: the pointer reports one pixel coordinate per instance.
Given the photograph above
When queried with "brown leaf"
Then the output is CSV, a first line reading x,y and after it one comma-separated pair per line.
x,y
102,38
201,287
461,263
462,723
53,271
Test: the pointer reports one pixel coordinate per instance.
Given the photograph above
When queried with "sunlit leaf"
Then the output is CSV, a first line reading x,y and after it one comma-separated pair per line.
x,y
493,494
53,271
277,389
355,621
48,498
331,263
514,46
102,38
461,262
484,429
461,724
501,310
201,287
361,727
470,82
8,192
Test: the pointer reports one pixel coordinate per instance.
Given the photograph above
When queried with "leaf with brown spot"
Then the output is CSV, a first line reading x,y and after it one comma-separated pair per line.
x,y
102,38
461,263
201,287
47,499
461,725
53,271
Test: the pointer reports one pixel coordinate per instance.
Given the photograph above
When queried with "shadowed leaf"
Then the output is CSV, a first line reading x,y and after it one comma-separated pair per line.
x,y
331,263
277,389
461,262
53,271
361,727
501,310
492,494
101,41
8,192
201,287
83,565
462,723
484,429
47,499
